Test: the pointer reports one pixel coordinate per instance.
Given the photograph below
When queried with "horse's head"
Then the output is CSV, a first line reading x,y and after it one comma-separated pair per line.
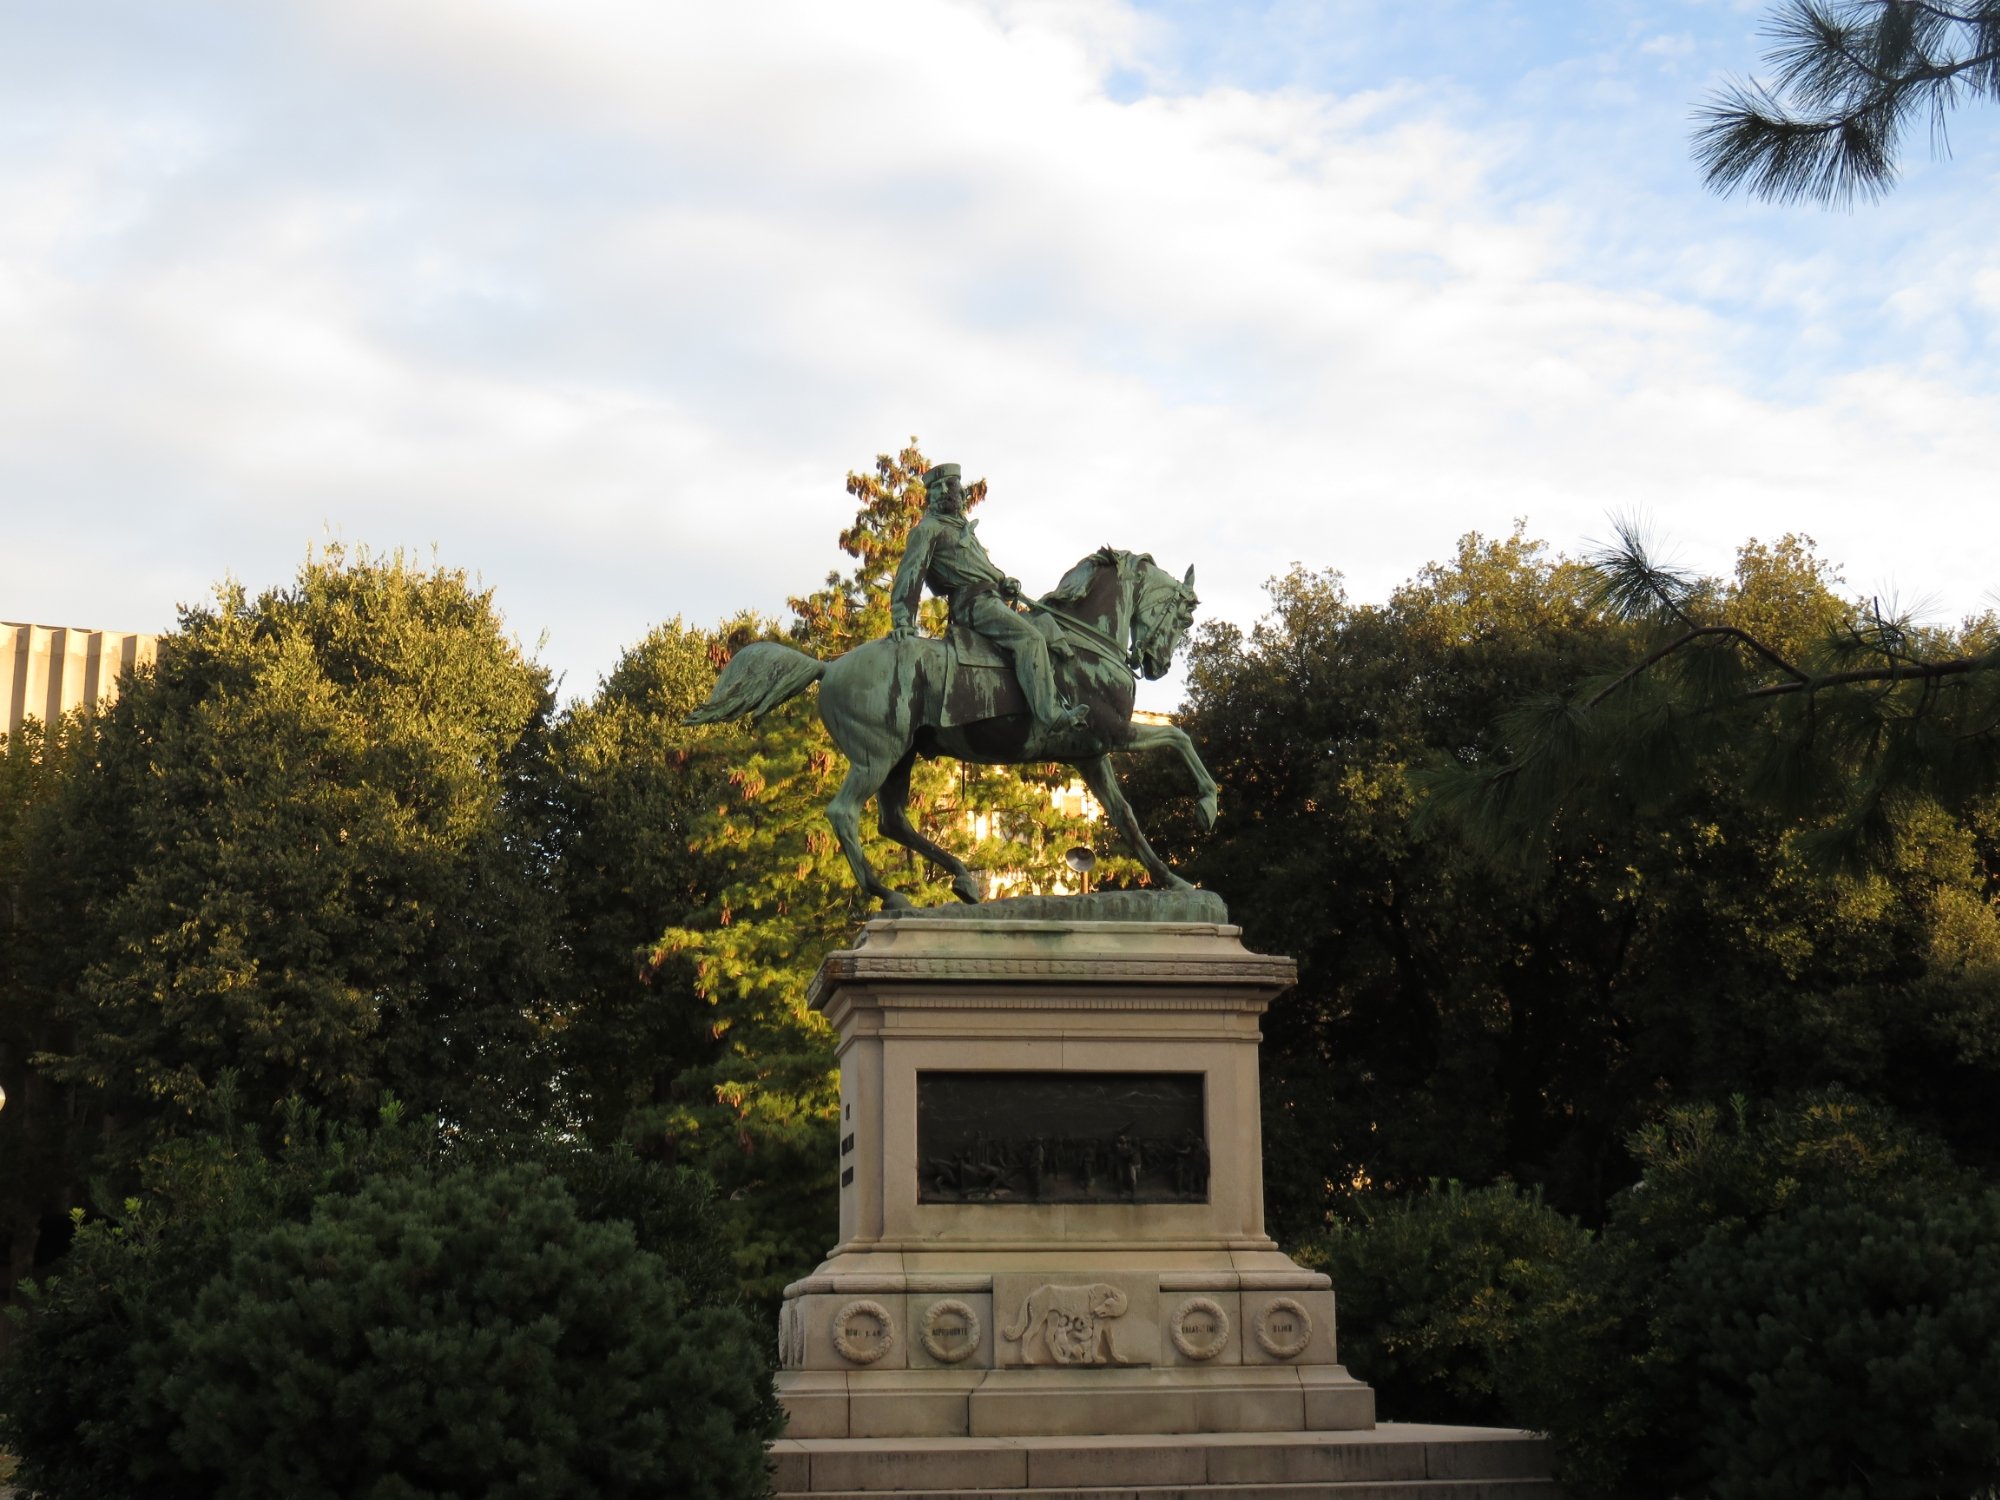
x,y
1127,595
1162,615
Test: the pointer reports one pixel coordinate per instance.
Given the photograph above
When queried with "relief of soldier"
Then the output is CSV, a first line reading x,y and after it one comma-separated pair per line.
x,y
1070,1168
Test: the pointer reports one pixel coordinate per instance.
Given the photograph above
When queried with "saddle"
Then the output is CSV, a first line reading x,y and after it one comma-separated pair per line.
x,y
979,680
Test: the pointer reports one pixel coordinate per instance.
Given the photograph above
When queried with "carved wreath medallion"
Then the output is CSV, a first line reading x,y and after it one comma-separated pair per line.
x,y
863,1332
950,1331
1200,1328
1284,1328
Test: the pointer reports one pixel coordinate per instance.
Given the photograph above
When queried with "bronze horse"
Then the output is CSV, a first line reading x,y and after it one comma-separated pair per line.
x,y
892,700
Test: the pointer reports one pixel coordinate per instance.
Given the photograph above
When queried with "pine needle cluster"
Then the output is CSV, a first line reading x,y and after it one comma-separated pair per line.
x,y
1852,76
1844,720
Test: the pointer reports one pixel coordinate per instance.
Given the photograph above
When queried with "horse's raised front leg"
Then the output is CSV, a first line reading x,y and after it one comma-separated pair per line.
x,y
1173,737
1103,783
892,806
844,813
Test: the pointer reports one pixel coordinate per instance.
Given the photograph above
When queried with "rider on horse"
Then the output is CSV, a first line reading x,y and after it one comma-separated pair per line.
x,y
944,552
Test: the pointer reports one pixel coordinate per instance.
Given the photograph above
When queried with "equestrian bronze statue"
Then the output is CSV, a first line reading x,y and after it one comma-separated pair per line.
x,y
1015,682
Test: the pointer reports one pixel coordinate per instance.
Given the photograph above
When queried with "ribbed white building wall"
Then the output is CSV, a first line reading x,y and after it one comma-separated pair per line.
x,y
47,670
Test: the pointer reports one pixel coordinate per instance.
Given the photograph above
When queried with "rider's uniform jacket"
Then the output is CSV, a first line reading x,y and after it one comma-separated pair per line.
x,y
944,551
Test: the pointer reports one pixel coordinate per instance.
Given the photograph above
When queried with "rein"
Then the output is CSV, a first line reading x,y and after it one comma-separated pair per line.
x,y
1092,638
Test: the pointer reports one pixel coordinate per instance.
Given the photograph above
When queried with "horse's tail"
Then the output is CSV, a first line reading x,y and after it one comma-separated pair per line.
x,y
758,678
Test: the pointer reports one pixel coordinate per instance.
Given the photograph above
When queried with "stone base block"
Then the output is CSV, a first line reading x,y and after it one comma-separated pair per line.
x,y
1052,1402
1405,1461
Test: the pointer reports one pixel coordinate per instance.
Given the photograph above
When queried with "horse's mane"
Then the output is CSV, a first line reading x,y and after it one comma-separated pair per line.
x,y
1076,582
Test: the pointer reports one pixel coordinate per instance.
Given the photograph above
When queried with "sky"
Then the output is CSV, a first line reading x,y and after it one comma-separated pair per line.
x,y
601,300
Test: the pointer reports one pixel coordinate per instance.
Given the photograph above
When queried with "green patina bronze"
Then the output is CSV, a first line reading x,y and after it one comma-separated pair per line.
x,y
1016,681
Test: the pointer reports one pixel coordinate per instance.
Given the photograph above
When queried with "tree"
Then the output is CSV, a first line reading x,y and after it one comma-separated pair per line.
x,y
1477,1011
1852,76
1419,1043
635,794
46,1127
305,855
1862,718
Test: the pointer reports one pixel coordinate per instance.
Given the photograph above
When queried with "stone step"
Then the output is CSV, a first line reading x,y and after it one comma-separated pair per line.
x,y
1367,1489
1393,1461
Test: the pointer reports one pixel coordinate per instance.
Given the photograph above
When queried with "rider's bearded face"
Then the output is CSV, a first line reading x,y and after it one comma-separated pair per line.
x,y
948,497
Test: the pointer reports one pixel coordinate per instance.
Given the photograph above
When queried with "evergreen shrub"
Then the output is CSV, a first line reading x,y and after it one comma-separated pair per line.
x,y
72,1404
469,1336
673,1211
1849,1353
1726,1333
318,1308
1434,1291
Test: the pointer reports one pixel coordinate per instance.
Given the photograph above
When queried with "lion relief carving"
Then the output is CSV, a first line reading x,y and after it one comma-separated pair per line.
x,y
1070,1325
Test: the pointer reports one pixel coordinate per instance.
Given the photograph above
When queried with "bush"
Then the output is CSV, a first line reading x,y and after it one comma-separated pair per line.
x,y
1708,1170
72,1405
69,1409
1434,1291
1618,1369
673,1211
1847,1353
469,1336
88,1394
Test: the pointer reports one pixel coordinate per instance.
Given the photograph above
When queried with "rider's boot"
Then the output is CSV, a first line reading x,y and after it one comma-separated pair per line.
x,y
1070,716
1038,680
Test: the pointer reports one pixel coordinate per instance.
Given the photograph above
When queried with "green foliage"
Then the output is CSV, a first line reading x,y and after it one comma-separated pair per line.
x,y
635,794
1466,1015
1556,1014
1793,1302
1435,1290
73,1405
673,1212
1617,1368
89,1397
331,846
307,853
1852,76
1448,1020
467,1335
1849,1352
1845,720
1707,1171
46,1128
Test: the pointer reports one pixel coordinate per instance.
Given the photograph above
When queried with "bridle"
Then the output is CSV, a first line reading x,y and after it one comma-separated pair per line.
x,y
1149,619
1129,658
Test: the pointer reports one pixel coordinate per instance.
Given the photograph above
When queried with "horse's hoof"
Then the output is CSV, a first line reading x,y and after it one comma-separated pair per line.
x,y
897,901
963,888
1175,883
1206,811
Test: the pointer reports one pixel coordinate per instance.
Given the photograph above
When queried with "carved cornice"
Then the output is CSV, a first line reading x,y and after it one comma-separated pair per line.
x,y
860,967
897,1283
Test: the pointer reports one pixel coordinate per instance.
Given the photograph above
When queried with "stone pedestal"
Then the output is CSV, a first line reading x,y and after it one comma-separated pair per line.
x,y
1051,1202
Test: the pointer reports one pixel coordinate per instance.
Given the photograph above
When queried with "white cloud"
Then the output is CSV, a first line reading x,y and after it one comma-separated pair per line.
x,y
604,298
